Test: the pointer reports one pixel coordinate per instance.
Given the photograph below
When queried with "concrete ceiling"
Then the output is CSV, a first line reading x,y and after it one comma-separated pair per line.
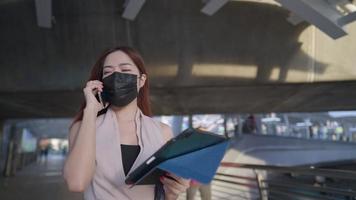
x,y
245,58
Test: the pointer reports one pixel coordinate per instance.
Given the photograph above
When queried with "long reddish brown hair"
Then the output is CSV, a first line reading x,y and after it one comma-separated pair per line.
x,y
97,74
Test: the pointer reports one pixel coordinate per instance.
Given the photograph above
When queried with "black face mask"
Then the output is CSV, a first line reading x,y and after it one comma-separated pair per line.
x,y
120,88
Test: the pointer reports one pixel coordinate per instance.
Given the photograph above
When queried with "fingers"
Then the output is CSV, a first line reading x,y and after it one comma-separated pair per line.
x,y
171,187
94,85
176,186
92,88
94,82
181,180
170,194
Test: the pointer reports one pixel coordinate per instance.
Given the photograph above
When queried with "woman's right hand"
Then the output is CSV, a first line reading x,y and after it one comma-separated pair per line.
x,y
91,89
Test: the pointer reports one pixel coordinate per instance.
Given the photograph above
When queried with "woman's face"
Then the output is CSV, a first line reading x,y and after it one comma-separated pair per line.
x,y
119,61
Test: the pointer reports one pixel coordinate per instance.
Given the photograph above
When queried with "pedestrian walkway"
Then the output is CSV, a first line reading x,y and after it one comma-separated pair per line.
x,y
43,181
39,181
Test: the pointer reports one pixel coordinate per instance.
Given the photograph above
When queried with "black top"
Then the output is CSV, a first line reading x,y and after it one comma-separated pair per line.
x,y
129,154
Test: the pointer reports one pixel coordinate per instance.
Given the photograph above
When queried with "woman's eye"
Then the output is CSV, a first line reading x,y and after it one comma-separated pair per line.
x,y
125,70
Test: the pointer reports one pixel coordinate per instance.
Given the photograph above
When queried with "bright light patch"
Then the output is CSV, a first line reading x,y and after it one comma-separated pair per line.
x,y
339,114
221,70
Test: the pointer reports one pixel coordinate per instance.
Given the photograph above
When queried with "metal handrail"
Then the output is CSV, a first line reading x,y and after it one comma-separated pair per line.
x,y
332,173
239,177
274,189
237,183
234,188
289,184
294,194
242,184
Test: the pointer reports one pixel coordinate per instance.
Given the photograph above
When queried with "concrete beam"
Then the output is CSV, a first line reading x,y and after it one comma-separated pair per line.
x,y
132,8
316,97
347,19
213,6
322,14
44,13
294,19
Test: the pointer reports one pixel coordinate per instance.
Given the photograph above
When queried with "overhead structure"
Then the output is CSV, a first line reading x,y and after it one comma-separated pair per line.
x,y
44,13
330,16
132,8
212,6
294,19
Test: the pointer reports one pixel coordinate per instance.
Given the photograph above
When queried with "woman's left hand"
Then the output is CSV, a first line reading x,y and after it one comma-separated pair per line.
x,y
173,188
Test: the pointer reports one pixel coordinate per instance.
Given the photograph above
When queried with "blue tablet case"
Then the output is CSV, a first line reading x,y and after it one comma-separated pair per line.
x,y
199,165
194,154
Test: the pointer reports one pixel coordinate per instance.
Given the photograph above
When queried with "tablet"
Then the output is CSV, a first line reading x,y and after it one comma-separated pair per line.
x,y
188,141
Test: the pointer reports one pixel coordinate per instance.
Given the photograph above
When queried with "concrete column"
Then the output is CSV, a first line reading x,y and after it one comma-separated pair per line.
x,y
2,156
286,121
16,150
177,124
239,126
9,152
346,134
307,121
258,120
225,125
190,117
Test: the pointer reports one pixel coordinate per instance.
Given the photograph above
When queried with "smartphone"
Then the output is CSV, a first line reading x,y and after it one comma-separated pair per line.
x,y
100,99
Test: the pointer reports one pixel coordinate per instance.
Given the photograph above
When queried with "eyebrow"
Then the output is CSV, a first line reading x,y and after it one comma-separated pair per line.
x,y
121,64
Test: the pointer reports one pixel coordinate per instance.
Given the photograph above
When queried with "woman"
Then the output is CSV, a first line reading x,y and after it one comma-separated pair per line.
x,y
109,139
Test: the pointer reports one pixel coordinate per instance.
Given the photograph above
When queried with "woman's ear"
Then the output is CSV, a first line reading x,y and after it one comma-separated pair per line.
x,y
142,80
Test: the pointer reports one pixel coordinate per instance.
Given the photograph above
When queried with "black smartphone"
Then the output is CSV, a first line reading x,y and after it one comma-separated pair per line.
x,y
99,97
